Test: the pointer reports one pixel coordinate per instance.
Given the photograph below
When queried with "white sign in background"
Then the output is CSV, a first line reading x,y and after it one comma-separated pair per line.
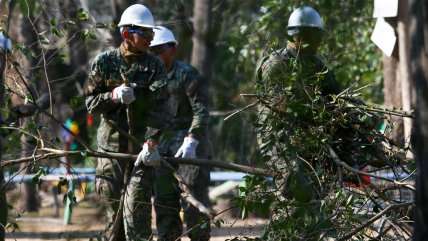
x,y
385,8
384,36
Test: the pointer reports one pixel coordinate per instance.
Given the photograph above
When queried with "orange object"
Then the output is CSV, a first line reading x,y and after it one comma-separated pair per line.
x,y
89,120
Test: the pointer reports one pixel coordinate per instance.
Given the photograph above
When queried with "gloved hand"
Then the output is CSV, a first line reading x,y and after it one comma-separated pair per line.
x,y
149,156
124,94
188,149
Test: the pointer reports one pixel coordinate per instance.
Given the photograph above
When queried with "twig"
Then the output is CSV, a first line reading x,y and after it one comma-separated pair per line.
x,y
242,109
346,166
80,140
377,108
373,219
187,195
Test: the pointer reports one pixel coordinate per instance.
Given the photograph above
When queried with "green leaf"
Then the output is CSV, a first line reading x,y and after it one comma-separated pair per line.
x,y
101,25
349,201
82,14
84,153
204,225
53,22
70,22
411,165
56,32
45,40
219,222
87,34
76,102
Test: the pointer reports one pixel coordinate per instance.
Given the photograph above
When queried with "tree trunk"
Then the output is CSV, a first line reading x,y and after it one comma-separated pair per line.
x,y
404,65
3,202
419,74
184,33
25,35
392,94
202,44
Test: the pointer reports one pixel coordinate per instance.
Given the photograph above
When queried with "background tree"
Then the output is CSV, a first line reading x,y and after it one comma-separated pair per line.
x,y
3,201
419,75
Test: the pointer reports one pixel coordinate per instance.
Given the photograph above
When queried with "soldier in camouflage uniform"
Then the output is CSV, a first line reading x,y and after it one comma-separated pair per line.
x,y
107,95
278,73
186,137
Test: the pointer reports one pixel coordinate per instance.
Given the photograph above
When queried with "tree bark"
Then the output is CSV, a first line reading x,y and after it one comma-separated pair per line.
x,y
201,53
419,74
404,64
3,201
392,93
184,33
25,35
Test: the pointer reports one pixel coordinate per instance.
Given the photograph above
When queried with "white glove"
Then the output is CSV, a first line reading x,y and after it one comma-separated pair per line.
x,y
124,94
149,156
188,149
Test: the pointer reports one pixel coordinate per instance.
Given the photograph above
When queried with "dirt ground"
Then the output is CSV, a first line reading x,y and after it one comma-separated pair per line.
x,y
87,221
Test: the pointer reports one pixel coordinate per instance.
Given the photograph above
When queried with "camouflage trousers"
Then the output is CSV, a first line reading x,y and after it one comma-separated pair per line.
x,y
168,193
109,184
137,211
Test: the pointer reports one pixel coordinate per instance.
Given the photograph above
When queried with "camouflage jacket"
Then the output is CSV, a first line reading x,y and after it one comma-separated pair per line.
x,y
188,100
275,69
145,70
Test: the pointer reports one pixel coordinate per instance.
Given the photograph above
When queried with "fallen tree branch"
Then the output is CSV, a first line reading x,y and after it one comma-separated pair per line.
x,y
54,153
187,195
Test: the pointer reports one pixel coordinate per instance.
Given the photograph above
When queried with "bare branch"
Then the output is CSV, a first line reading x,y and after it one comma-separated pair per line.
x,y
349,168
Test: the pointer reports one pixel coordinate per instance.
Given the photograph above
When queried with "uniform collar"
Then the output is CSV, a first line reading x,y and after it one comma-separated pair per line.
x,y
171,73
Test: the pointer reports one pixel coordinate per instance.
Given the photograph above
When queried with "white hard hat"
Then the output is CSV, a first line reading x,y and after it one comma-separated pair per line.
x,y
162,36
5,43
137,15
304,17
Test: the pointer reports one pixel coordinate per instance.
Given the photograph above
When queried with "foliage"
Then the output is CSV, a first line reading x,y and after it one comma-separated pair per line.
x,y
251,28
248,29
314,148
314,142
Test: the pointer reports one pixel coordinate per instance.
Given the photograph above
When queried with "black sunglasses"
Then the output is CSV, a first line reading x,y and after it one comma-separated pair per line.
x,y
160,48
144,33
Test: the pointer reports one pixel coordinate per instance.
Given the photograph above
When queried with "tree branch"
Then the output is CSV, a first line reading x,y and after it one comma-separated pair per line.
x,y
54,153
373,219
349,168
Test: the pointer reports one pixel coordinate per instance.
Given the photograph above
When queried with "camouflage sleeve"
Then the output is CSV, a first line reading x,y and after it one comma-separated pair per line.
x,y
197,94
157,120
271,72
98,97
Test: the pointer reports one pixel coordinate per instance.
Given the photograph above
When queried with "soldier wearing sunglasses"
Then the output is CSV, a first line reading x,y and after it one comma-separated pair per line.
x,y
108,96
